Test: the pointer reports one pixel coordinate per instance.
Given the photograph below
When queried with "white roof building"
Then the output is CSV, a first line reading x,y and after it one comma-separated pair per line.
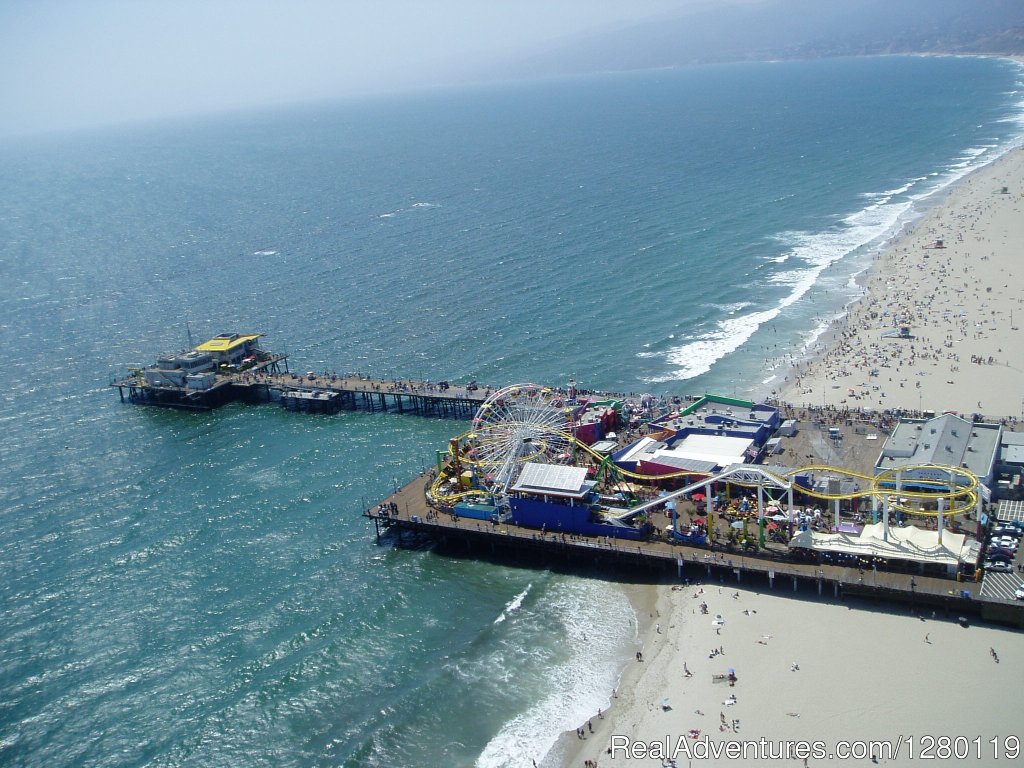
x,y
943,441
553,480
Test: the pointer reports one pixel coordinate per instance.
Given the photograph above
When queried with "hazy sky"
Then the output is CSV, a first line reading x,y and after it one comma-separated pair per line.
x,y
70,63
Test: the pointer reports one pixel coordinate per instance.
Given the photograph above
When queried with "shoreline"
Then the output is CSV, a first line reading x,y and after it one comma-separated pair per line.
x,y
653,611
800,678
846,364
648,606
905,275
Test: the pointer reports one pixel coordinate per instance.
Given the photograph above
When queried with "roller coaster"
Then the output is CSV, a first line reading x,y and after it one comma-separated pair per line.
x,y
528,423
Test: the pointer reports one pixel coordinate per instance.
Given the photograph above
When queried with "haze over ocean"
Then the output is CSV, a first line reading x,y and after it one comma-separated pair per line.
x,y
199,589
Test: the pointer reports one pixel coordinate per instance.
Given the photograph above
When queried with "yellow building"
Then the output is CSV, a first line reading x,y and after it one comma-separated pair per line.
x,y
231,348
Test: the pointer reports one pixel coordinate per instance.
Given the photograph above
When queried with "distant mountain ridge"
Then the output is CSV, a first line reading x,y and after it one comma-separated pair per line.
x,y
789,29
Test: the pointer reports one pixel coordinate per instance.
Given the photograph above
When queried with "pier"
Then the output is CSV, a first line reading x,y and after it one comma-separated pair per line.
x,y
406,515
517,426
419,398
198,380
321,393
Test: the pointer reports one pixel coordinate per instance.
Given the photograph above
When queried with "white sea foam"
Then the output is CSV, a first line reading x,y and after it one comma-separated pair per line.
x,y
598,624
873,223
266,252
393,214
732,309
816,251
514,605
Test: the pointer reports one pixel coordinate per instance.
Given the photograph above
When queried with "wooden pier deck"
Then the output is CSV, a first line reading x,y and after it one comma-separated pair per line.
x,y
407,513
357,392
263,383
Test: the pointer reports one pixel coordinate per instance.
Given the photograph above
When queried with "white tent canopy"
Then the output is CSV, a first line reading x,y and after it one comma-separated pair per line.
x,y
909,543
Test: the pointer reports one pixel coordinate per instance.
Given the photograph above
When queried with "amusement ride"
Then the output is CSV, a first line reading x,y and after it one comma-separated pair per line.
x,y
531,423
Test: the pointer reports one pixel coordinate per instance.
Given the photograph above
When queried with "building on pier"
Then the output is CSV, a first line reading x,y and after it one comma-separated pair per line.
x,y
192,369
563,499
947,440
229,349
201,378
712,433
312,402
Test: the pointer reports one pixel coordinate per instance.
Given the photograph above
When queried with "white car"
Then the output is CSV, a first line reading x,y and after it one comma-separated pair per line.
x,y
1019,594
999,565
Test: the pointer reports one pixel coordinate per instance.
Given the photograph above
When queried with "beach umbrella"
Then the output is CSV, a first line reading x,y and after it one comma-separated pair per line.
x,y
699,521
772,526
737,524
779,518
771,508
698,496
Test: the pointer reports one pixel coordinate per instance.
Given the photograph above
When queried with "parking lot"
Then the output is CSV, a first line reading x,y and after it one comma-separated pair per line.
x,y
1000,585
1004,542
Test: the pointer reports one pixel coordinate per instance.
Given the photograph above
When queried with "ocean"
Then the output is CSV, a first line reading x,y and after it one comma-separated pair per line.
x,y
199,588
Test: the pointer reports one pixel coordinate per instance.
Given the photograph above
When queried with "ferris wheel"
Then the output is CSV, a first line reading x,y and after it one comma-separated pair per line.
x,y
524,422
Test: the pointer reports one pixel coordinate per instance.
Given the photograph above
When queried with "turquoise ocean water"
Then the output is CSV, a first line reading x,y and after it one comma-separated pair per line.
x,y
199,589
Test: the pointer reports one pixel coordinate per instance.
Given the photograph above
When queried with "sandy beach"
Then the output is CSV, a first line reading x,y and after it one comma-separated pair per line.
x,y
962,303
809,670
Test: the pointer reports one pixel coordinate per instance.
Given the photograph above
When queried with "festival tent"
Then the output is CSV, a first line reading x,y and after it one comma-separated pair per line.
x,y
907,543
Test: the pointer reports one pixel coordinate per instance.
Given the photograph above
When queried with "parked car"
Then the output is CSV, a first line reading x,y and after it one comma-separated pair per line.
x,y
1019,594
999,553
999,566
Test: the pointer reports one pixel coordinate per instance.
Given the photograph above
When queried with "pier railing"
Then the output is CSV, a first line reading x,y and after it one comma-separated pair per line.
x,y
408,512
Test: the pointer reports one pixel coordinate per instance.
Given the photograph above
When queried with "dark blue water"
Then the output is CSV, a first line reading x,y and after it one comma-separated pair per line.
x,y
199,589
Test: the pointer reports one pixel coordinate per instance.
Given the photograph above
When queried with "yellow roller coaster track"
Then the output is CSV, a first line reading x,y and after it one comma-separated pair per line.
x,y
961,494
